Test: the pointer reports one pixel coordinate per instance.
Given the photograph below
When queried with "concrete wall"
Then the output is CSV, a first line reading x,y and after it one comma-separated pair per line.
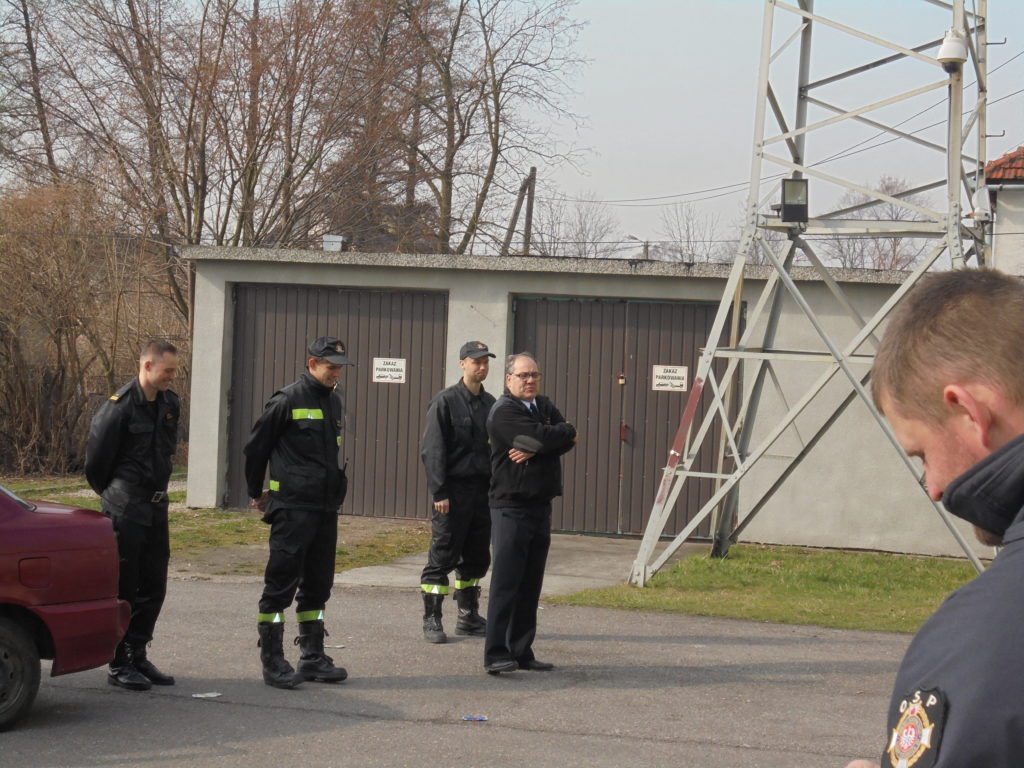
x,y
853,489
850,492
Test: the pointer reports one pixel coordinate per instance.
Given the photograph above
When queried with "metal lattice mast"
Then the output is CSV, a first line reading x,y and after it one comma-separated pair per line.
x,y
768,239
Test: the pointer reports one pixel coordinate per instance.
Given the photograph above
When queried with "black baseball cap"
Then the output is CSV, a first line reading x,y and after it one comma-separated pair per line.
x,y
330,349
475,349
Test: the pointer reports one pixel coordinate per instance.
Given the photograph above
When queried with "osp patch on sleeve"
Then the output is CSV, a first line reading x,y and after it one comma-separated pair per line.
x,y
918,730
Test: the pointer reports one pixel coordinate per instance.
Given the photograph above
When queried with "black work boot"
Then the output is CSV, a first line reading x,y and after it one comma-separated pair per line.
x,y
276,669
146,667
314,663
123,674
433,632
470,621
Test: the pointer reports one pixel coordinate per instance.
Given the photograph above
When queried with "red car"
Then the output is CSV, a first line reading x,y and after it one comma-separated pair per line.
x,y
58,596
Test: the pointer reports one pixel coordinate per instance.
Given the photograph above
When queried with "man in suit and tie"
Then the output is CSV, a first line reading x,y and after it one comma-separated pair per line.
x,y
528,436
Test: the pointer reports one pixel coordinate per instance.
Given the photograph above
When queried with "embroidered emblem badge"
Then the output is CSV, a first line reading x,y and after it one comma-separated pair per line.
x,y
916,735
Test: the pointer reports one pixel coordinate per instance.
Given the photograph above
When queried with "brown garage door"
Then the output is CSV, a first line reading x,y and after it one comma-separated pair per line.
x,y
598,359
383,421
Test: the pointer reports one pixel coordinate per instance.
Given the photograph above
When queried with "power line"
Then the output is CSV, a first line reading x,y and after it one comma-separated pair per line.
x,y
641,202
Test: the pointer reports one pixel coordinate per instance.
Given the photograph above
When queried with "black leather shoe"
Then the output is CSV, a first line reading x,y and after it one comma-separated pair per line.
x,y
128,677
148,669
535,665
497,667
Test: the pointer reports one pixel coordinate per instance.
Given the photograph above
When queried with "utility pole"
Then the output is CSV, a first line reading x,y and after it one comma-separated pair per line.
x,y
526,191
531,188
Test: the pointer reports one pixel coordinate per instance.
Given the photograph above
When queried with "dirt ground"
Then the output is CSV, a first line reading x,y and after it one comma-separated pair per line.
x,y
247,561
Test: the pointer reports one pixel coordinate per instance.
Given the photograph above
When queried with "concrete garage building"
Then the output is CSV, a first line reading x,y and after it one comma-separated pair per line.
x,y
618,342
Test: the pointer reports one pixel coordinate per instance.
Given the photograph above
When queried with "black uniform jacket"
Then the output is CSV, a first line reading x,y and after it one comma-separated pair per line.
x,y
299,434
132,441
454,446
957,700
538,480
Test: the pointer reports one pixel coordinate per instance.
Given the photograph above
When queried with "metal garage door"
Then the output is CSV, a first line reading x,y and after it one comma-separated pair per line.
x,y
598,357
383,419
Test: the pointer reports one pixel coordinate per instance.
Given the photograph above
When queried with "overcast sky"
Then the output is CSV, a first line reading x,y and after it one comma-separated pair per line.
x,y
669,97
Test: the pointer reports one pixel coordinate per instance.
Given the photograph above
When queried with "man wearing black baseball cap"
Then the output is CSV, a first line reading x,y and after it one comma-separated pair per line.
x,y
299,435
456,458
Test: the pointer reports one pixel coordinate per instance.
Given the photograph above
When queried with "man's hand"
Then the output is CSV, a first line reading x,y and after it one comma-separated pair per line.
x,y
442,506
261,502
519,456
862,764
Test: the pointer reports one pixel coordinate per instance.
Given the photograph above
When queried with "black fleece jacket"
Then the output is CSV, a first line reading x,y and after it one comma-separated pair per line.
x,y
539,479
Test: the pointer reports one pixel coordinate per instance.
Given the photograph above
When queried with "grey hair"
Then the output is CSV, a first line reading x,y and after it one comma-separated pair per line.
x,y
510,361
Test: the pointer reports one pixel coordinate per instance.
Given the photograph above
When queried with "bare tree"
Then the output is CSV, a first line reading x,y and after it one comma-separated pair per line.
x,y
246,122
373,186
74,305
129,126
488,63
583,228
22,99
878,252
210,121
691,236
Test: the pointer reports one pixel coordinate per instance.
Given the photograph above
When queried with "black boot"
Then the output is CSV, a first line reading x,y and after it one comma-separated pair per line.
x,y
315,664
123,674
433,632
276,669
470,621
146,667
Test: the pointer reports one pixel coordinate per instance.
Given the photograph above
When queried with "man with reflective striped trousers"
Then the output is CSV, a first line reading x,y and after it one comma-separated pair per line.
x,y
457,460
299,436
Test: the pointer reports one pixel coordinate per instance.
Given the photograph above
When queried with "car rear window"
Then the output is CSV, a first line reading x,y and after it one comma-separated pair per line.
x,y
17,499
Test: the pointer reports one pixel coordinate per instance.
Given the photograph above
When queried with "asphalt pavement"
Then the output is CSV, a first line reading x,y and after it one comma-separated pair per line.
x,y
629,688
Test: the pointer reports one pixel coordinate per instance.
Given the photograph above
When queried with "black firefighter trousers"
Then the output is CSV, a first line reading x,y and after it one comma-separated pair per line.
x,y
303,545
461,540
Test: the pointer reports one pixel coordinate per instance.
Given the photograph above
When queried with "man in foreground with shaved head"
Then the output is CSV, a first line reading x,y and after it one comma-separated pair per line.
x,y
949,377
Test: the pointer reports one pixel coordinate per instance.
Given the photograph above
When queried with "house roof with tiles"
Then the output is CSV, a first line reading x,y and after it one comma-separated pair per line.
x,y
1008,168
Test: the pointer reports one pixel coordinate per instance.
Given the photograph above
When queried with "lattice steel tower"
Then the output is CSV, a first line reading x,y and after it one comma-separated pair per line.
x,y
891,80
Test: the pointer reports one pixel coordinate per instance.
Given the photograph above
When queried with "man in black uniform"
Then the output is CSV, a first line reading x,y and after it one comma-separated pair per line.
x,y
132,441
299,435
457,460
528,437
949,376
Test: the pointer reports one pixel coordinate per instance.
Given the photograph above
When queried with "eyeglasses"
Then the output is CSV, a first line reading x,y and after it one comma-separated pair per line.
x,y
527,376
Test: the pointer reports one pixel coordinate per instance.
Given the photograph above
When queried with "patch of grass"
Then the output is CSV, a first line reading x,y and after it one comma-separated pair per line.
x,y
223,543
383,547
45,487
50,487
72,500
793,585
193,529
